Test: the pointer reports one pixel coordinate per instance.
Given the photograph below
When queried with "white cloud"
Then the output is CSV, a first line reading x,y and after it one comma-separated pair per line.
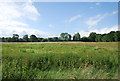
x,y
74,18
8,32
50,25
114,12
9,11
93,21
99,31
97,4
106,29
30,11
12,13
13,16
10,24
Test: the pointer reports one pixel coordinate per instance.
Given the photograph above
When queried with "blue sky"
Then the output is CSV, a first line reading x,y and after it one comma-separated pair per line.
x,y
49,19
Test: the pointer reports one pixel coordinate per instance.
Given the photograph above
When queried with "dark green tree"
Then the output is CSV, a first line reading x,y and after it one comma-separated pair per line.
x,y
65,37
25,38
8,39
69,39
45,40
40,39
117,36
3,39
92,36
111,36
105,38
98,38
76,37
0,39
85,39
55,39
33,38
50,40
21,40
15,38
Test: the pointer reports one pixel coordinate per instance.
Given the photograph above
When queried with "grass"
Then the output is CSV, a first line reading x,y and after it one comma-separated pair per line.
x,y
67,60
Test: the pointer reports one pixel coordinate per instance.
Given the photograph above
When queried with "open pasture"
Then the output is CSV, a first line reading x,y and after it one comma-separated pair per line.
x,y
60,60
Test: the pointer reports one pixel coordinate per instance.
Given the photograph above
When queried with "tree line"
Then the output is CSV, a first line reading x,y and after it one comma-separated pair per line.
x,y
113,36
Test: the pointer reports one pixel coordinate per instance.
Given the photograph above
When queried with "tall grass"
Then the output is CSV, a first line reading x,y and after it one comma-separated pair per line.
x,y
60,61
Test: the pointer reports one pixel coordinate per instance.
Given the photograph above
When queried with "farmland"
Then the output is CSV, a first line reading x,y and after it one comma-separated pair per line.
x,y
63,60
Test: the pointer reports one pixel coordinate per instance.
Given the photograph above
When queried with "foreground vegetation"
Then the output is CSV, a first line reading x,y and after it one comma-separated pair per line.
x,y
64,60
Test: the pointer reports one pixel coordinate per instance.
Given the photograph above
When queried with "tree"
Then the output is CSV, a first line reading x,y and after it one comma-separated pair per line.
x,y
40,39
33,38
15,38
105,38
8,39
3,39
108,37
92,36
45,40
111,36
76,37
117,36
55,39
0,39
25,38
50,39
98,38
21,40
65,37
85,39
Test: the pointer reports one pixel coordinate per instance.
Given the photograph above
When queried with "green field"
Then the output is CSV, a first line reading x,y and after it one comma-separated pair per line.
x,y
64,60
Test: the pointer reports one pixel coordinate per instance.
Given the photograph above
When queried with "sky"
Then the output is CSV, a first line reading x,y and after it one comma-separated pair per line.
x,y
49,19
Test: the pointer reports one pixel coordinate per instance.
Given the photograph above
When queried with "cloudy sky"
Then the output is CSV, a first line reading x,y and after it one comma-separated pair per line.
x,y
49,19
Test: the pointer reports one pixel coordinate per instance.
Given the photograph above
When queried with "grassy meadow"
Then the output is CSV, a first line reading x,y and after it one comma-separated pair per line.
x,y
63,60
